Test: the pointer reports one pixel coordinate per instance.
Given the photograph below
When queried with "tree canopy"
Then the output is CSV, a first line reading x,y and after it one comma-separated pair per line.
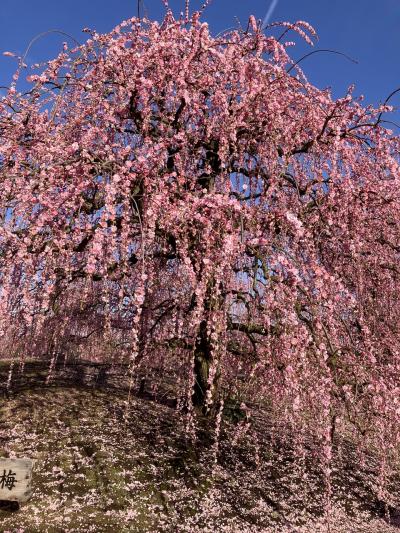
x,y
188,201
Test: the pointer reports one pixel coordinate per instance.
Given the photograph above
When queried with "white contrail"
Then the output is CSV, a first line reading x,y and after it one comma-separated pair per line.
x,y
271,9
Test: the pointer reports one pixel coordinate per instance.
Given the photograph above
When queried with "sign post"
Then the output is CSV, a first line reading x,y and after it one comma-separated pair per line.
x,y
15,479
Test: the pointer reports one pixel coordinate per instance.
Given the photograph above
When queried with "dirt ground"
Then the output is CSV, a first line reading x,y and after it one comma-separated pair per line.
x,y
103,467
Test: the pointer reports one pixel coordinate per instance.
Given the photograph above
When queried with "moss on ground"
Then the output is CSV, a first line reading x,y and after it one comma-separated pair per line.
x,y
100,467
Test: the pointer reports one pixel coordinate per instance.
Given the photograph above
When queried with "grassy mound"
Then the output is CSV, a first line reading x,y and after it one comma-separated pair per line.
x,y
97,470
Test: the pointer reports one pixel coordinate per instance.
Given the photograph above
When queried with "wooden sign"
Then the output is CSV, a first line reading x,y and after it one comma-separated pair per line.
x,y
15,479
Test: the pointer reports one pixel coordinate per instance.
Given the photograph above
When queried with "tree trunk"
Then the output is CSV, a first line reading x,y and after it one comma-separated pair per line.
x,y
202,363
203,353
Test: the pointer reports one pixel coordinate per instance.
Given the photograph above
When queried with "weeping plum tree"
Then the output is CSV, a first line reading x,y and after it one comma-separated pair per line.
x,y
176,199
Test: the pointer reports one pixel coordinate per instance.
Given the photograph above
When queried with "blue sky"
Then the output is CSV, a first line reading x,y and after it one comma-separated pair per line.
x,y
366,30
